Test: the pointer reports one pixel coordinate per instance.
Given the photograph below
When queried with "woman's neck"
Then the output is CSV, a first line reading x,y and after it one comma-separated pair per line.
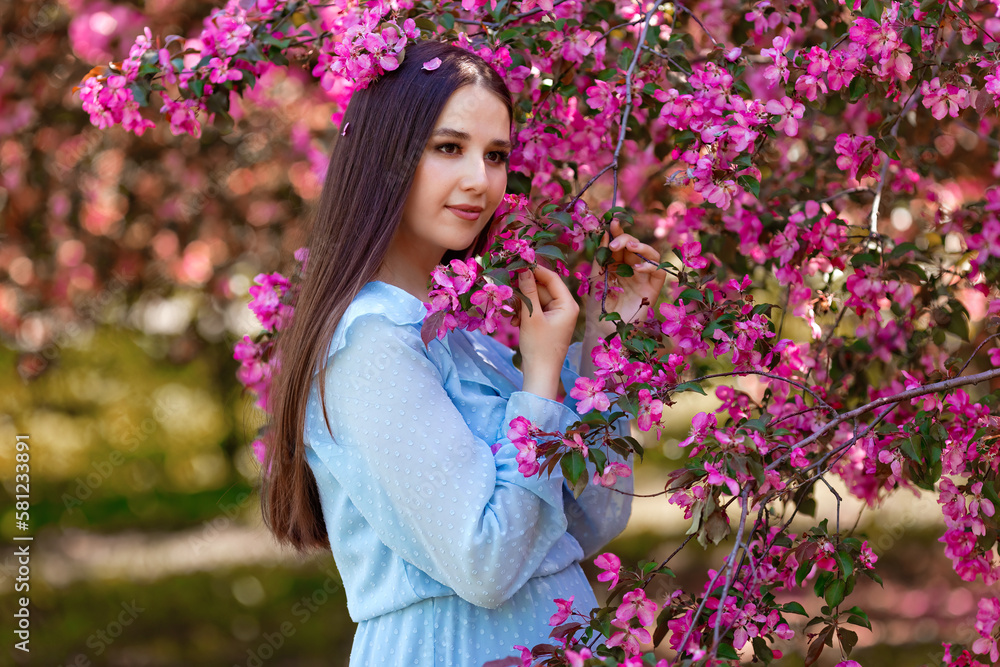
x,y
407,275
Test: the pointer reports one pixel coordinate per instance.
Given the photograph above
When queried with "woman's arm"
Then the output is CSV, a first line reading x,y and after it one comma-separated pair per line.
x,y
428,485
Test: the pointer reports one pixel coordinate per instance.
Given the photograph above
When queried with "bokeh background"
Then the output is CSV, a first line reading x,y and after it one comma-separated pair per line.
x,y
125,264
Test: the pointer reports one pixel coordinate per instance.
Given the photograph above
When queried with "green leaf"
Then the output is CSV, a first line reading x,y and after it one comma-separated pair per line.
x,y
624,270
224,123
859,621
727,652
845,563
794,608
140,93
902,249
858,88
757,424
872,10
707,332
598,456
625,59
197,86
447,20
689,386
858,617
683,137
750,184
552,252
834,593
762,650
509,34
864,258
691,294
888,145
602,256
573,466
959,326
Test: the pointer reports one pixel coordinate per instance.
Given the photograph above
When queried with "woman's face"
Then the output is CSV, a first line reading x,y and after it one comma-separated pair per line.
x,y
460,179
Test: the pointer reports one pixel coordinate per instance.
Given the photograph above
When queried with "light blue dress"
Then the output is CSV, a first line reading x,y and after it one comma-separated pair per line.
x,y
448,554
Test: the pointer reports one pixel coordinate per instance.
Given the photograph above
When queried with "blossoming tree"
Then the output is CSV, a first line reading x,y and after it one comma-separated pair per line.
x,y
809,150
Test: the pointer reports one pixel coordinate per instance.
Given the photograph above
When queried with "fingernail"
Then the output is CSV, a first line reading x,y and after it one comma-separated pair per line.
x,y
632,244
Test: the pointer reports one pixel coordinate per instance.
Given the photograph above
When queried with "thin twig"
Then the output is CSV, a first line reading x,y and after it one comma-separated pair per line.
x,y
932,388
773,376
973,355
697,20
676,551
731,568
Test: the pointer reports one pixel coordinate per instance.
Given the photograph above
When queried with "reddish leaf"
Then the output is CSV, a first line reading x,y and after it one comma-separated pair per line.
x,y
429,329
510,661
816,648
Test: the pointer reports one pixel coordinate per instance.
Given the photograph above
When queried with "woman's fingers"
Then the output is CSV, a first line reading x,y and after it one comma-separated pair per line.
x,y
553,284
526,283
627,249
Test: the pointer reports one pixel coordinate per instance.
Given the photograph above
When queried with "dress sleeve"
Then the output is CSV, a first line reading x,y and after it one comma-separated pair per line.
x,y
600,514
427,484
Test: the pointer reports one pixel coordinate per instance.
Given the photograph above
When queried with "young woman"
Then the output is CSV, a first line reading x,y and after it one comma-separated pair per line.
x,y
382,449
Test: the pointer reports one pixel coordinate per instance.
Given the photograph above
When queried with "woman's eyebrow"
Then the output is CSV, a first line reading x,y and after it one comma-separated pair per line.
x,y
464,136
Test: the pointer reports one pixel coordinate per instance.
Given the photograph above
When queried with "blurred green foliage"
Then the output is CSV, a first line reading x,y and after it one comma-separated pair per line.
x,y
274,616
123,439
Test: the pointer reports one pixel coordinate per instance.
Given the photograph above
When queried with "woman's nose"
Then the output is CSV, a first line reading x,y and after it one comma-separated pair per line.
x,y
475,177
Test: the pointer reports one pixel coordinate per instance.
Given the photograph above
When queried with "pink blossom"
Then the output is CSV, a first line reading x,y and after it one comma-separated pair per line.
x,y
221,71
628,638
611,566
790,111
259,449
986,623
716,477
612,471
526,659
565,608
266,302
650,410
778,71
590,395
576,443
944,100
576,659
520,248
635,604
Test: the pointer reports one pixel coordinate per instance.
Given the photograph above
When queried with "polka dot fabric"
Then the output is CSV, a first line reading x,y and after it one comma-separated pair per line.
x,y
449,555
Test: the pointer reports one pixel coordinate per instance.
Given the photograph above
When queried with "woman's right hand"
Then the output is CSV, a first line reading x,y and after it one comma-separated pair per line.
x,y
546,332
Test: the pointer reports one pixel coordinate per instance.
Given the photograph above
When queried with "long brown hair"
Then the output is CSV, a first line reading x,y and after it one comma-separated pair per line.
x,y
387,126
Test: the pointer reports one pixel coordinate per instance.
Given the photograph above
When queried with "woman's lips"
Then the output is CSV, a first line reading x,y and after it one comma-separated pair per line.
x,y
471,215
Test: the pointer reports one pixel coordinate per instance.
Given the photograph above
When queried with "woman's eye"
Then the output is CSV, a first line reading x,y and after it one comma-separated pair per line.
x,y
498,156
449,149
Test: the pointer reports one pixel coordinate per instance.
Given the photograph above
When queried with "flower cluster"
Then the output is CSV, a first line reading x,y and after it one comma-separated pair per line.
x,y
459,301
368,49
271,302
